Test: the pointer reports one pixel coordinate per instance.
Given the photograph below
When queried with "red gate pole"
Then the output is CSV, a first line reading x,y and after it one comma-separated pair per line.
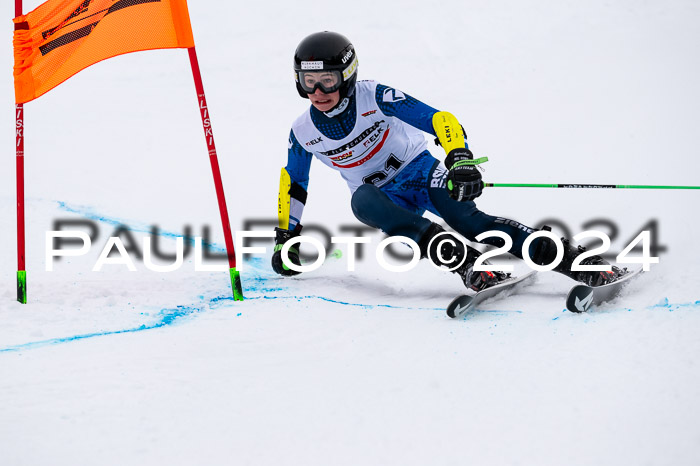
x,y
21,272
19,147
209,135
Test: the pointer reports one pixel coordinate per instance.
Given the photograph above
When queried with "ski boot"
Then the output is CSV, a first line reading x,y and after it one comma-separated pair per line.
x,y
476,281
546,251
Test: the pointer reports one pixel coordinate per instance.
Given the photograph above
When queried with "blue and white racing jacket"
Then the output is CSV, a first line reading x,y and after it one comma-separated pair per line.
x,y
370,142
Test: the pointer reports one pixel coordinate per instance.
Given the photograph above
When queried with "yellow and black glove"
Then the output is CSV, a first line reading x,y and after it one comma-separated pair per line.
x,y
281,237
463,180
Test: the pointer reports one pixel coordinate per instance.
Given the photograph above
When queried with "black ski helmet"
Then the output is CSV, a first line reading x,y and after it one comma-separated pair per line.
x,y
327,51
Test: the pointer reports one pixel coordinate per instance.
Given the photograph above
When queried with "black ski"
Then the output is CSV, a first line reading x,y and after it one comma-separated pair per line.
x,y
465,303
582,297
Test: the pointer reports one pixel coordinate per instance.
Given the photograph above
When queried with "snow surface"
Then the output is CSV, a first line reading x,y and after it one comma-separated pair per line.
x,y
146,368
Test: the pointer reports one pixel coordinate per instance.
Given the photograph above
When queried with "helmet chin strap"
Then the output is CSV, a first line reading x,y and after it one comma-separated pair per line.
x,y
339,108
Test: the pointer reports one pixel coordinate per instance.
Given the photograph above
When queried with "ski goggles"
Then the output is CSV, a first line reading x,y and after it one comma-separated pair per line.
x,y
326,80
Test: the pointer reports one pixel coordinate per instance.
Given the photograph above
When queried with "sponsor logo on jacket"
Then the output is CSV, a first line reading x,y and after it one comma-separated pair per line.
x,y
314,141
344,156
359,139
365,149
393,95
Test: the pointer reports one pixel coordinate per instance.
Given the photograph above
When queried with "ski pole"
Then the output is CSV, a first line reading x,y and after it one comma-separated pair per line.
x,y
584,186
479,161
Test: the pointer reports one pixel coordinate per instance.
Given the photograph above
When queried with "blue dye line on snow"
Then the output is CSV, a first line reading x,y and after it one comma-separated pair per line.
x,y
334,301
663,304
169,316
88,212
172,315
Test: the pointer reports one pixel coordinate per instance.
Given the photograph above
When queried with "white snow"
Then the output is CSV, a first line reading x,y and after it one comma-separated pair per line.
x,y
332,367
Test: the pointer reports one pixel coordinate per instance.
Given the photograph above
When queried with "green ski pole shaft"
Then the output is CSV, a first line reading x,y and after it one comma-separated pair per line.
x,y
584,186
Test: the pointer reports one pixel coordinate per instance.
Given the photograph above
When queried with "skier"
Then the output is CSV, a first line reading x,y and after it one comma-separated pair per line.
x,y
372,134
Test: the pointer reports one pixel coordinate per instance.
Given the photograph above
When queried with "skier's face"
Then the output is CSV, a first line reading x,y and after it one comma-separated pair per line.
x,y
324,102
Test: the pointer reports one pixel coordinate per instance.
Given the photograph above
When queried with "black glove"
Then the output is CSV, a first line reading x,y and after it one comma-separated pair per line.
x,y
463,181
281,237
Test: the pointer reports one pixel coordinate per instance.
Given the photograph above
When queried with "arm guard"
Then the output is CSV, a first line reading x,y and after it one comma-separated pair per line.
x,y
449,132
290,201
284,200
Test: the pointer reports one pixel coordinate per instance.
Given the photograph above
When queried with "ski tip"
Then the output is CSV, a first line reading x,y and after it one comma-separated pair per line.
x,y
580,298
451,308
459,306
